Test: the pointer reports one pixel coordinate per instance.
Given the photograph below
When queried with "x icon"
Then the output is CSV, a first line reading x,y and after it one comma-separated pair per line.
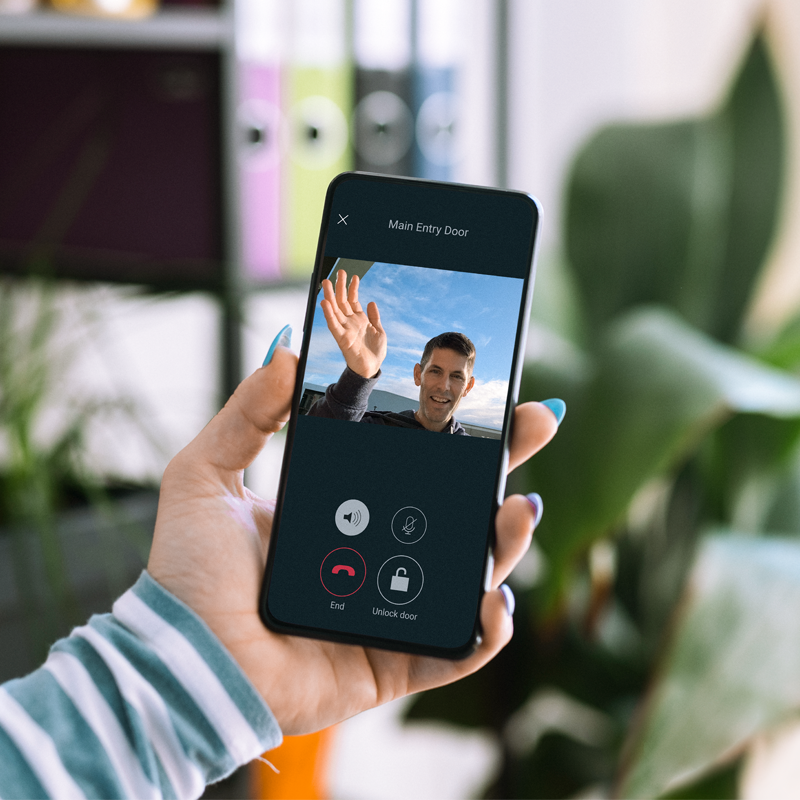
x,y
342,219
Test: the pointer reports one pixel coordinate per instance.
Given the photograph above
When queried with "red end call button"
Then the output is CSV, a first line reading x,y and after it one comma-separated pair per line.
x,y
343,572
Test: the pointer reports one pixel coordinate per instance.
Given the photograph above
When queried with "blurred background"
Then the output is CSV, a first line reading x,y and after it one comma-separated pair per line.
x,y
162,173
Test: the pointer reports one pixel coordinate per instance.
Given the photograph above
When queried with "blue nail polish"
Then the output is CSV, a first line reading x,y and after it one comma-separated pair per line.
x,y
535,499
558,407
508,596
284,339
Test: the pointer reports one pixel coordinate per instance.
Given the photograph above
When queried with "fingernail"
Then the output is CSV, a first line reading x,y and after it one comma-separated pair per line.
x,y
284,339
535,499
557,406
508,596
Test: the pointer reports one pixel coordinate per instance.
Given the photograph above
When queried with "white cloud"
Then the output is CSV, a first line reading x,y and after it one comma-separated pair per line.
x,y
399,382
325,360
485,404
406,356
399,332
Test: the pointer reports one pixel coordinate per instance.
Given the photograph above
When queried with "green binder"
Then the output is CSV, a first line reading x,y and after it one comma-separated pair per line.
x,y
319,99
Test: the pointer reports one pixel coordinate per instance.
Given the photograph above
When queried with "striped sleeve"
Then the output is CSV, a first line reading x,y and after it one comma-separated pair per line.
x,y
144,702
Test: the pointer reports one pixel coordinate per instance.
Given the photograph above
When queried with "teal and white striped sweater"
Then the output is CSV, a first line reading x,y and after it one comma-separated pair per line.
x,y
144,703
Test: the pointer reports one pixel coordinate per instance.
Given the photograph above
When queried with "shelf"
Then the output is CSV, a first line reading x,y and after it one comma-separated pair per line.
x,y
170,28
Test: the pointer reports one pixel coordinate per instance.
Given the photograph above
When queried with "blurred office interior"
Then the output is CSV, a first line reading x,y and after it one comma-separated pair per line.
x,y
162,172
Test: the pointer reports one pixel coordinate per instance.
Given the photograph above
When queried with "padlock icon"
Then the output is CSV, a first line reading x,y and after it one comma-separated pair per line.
x,y
399,584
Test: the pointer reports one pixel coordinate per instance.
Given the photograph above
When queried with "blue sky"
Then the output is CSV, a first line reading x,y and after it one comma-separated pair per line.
x,y
416,304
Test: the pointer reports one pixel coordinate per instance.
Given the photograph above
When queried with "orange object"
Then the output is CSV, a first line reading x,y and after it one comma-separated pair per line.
x,y
303,762
122,9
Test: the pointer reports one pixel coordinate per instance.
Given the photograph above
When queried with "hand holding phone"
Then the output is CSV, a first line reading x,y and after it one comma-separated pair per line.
x,y
419,396
210,546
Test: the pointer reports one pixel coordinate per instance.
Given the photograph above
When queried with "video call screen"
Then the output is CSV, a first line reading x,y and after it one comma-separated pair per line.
x,y
393,476
441,301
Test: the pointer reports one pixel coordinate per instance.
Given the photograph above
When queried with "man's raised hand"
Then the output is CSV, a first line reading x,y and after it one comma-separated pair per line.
x,y
360,336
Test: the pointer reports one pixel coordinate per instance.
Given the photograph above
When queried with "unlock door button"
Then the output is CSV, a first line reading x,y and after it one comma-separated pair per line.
x,y
400,580
399,584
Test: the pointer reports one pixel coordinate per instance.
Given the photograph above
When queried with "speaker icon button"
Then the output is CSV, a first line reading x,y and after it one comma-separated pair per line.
x,y
409,525
352,517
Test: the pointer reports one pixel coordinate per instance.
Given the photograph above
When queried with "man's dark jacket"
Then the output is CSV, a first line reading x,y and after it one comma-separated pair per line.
x,y
348,399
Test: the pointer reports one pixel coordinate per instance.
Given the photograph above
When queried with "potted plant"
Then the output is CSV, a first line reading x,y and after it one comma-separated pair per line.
x,y
655,618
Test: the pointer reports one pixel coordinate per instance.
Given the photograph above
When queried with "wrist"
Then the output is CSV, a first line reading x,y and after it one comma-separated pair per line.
x,y
368,371
266,666
201,659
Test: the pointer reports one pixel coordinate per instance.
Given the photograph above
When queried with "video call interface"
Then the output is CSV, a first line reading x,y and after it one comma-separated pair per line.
x,y
409,353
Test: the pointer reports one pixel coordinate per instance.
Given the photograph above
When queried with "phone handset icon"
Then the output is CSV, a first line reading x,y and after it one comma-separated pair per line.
x,y
343,579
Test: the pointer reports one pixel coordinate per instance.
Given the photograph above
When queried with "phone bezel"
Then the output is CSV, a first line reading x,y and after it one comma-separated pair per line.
x,y
366,640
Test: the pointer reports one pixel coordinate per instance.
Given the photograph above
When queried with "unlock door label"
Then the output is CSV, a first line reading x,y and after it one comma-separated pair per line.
x,y
400,584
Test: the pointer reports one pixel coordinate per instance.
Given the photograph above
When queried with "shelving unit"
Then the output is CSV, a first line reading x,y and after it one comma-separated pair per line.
x,y
198,30
212,32
173,28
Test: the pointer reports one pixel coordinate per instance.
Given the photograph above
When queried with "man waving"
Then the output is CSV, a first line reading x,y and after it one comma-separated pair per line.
x,y
443,374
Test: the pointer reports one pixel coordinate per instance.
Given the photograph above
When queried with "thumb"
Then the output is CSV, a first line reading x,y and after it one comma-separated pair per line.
x,y
259,407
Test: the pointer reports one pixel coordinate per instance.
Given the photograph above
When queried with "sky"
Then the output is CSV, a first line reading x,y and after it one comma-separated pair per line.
x,y
416,304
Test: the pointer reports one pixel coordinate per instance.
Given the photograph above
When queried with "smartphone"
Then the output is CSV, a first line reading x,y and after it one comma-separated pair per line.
x,y
396,450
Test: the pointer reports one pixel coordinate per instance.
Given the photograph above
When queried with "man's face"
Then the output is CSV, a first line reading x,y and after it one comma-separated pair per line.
x,y
444,381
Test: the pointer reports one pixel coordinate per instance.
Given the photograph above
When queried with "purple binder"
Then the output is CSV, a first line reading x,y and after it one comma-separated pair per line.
x,y
259,114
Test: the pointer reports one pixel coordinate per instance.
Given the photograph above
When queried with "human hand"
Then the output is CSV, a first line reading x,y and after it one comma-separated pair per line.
x,y
360,336
210,549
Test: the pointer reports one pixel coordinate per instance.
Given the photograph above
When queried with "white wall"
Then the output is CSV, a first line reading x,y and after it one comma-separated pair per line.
x,y
578,64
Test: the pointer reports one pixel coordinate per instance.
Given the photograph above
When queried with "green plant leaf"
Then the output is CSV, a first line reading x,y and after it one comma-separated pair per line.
x,y
731,668
746,463
655,389
564,662
754,116
783,350
680,213
784,512
722,784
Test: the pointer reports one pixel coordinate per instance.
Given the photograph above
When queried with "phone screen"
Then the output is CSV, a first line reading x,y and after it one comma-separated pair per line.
x,y
390,482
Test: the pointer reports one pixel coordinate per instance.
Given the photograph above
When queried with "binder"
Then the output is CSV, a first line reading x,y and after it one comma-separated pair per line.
x,y
108,165
318,92
383,123
259,33
437,146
